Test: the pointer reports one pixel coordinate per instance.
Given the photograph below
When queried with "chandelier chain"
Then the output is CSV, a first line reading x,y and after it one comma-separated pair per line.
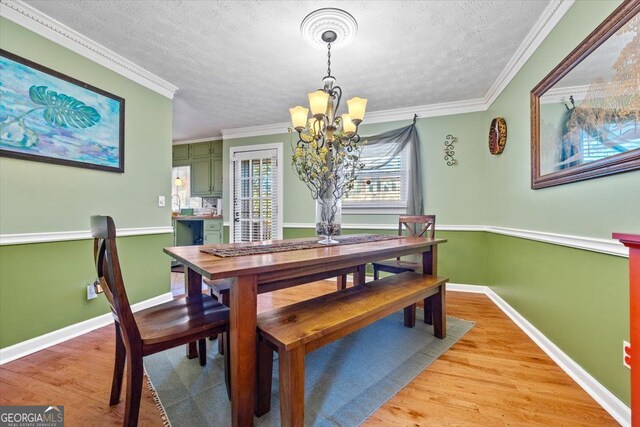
x,y
328,59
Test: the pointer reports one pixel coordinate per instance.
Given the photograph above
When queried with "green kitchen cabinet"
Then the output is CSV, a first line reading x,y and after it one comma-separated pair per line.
x,y
206,177
201,150
180,152
201,177
216,174
212,230
216,148
205,160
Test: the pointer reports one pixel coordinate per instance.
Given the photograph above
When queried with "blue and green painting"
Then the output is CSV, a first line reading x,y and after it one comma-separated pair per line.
x,y
43,115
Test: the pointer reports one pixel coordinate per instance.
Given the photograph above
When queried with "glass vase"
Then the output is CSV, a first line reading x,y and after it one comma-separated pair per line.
x,y
328,219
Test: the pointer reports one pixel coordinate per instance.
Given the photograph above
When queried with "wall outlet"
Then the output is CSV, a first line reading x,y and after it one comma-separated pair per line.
x,y
626,354
94,289
161,201
91,291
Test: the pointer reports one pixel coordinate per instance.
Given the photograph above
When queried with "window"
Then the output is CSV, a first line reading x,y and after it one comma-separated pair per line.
x,y
381,189
181,190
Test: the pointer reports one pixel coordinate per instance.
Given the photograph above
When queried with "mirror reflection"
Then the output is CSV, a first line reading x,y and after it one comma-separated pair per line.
x,y
593,112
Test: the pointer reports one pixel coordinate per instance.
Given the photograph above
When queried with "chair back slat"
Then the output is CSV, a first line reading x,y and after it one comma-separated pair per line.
x,y
105,253
417,225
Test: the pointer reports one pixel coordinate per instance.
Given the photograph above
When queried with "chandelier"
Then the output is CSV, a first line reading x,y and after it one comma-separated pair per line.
x,y
326,126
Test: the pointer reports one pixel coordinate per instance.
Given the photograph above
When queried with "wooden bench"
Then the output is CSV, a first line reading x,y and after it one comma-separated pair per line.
x,y
219,289
301,328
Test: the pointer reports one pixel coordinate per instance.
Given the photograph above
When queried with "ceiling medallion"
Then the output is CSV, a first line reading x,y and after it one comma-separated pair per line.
x,y
317,23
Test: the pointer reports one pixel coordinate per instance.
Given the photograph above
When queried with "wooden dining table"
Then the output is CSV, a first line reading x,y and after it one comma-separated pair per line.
x,y
277,271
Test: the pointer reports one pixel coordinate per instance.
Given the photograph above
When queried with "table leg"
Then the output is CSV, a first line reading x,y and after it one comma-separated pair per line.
x,y
193,289
243,308
429,266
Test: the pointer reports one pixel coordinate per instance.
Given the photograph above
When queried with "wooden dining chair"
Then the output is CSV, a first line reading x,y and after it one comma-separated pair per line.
x,y
174,323
416,226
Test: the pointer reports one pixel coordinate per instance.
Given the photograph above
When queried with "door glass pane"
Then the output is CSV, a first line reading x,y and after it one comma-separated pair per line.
x,y
254,198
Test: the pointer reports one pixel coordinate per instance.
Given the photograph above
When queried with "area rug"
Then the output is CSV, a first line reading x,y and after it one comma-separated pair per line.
x,y
345,381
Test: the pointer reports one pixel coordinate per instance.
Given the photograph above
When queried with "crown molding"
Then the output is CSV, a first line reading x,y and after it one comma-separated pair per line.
x,y
550,17
430,110
245,132
195,141
405,113
49,28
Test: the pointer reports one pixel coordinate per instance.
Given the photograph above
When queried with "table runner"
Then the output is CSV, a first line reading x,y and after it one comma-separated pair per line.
x,y
285,246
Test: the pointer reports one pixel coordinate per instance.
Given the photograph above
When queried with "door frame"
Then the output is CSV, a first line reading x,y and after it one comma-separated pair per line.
x,y
279,147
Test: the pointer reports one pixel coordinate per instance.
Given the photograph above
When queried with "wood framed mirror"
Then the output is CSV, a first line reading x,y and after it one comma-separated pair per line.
x,y
585,114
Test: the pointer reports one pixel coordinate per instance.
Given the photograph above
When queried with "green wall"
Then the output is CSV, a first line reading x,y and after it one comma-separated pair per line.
x,y
43,286
578,299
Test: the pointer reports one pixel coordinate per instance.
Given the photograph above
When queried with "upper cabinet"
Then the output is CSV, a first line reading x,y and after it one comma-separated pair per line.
x,y
181,152
202,150
205,160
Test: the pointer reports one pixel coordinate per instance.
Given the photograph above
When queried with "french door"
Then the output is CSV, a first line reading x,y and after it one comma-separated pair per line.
x,y
256,193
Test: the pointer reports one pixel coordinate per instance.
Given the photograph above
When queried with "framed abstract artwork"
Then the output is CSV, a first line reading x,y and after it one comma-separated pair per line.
x,y
49,117
585,114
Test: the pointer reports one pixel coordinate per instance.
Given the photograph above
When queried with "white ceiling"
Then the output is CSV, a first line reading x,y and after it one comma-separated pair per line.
x,y
244,63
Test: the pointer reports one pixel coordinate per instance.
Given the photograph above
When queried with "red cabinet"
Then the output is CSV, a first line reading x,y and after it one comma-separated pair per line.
x,y
632,241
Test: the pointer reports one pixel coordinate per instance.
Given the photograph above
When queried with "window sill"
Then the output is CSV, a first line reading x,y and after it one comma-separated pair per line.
x,y
374,210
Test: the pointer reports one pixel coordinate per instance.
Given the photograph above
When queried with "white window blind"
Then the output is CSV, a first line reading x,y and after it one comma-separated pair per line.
x,y
255,196
384,187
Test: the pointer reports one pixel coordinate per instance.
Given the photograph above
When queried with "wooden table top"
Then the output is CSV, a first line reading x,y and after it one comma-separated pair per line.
x,y
214,267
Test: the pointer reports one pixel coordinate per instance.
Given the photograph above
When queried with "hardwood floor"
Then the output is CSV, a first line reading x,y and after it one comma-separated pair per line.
x,y
494,376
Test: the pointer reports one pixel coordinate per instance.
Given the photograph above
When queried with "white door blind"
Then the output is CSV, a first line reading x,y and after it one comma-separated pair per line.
x,y
255,196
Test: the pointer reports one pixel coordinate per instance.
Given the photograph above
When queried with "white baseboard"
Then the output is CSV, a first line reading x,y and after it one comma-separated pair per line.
x,y
614,406
25,348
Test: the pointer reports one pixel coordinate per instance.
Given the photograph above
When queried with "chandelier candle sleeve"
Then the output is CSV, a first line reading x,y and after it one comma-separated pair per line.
x,y
299,117
318,101
348,127
357,107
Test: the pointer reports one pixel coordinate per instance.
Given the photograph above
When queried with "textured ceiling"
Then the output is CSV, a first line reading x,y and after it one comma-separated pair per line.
x,y
241,64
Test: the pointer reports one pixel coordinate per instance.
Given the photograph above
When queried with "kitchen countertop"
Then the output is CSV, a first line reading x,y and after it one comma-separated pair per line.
x,y
196,217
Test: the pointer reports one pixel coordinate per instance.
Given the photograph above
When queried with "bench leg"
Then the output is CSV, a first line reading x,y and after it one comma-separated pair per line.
x,y
376,272
292,387
410,316
428,311
342,282
439,313
359,276
264,378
